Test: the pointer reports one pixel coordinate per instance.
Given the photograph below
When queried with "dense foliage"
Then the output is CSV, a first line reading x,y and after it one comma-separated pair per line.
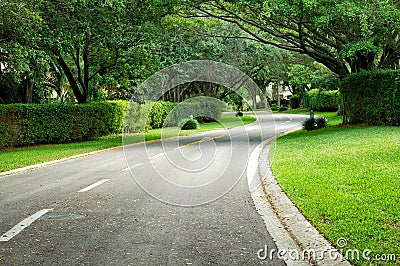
x,y
28,124
294,101
79,42
322,100
84,51
141,117
372,97
346,36
203,110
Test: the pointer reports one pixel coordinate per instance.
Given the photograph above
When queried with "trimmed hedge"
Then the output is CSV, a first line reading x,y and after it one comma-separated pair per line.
x,y
372,97
321,100
136,117
140,118
159,113
204,109
28,124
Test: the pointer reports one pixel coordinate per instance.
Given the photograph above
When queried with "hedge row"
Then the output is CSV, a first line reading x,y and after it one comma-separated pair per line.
x,y
143,117
321,100
372,97
28,124
156,115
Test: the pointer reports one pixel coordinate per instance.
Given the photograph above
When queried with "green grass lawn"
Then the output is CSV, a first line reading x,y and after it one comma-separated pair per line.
x,y
20,157
346,181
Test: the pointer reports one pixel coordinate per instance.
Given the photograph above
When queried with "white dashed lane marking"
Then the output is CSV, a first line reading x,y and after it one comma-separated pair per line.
x,y
157,156
93,185
22,225
132,167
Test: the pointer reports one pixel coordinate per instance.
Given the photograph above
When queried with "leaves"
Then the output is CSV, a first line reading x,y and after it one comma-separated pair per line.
x,y
360,31
85,38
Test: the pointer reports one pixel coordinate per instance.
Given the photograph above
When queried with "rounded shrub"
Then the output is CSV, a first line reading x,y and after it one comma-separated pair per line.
x,y
321,122
309,124
239,113
190,124
274,107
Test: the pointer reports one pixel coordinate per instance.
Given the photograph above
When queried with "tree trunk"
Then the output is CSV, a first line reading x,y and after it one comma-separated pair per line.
x,y
278,94
362,62
80,97
28,89
263,96
86,70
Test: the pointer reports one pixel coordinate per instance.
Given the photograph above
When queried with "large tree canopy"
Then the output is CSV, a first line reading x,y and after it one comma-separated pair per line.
x,y
346,36
84,38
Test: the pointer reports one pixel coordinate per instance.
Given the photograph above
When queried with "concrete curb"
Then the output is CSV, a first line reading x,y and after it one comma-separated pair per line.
x,y
299,235
274,226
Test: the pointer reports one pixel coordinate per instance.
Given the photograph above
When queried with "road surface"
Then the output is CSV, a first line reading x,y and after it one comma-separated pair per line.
x,y
177,202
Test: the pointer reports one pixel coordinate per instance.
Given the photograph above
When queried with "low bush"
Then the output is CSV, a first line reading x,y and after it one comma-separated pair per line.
x,y
210,109
315,123
190,124
239,114
28,124
159,112
274,107
321,122
283,108
284,102
136,117
309,124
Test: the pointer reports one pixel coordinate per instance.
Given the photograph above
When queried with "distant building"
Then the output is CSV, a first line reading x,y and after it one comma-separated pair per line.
x,y
278,92
3,55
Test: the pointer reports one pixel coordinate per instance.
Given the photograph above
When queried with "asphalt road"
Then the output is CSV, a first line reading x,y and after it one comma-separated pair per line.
x,y
177,202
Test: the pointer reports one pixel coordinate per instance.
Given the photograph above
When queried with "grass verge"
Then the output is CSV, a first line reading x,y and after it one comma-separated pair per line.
x,y
346,182
21,157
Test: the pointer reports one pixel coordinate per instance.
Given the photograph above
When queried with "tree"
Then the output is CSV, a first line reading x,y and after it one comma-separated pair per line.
x,y
187,39
345,36
84,38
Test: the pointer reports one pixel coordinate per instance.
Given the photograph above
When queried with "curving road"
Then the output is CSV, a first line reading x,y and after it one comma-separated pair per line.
x,y
182,201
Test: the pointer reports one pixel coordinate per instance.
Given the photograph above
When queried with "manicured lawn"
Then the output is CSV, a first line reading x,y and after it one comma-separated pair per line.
x,y
346,181
20,157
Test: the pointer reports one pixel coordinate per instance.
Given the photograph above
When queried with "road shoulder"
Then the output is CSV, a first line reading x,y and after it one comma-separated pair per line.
x,y
292,232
